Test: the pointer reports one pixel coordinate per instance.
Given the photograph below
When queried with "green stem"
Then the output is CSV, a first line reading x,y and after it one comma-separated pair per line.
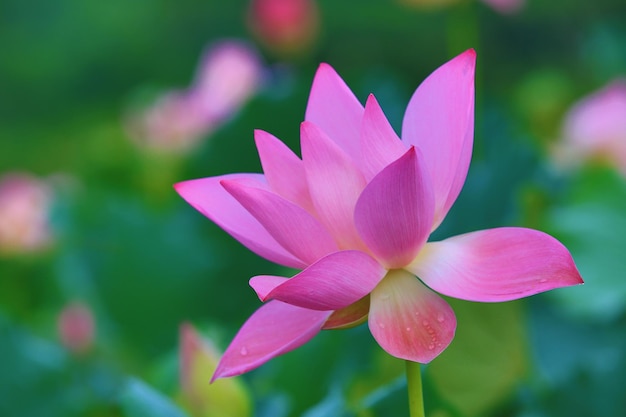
x,y
414,385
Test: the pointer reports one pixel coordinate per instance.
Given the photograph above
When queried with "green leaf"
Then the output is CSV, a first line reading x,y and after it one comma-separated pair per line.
x,y
486,359
139,400
591,224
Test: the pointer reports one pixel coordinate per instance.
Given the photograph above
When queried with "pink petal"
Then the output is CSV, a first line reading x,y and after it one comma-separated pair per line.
x,y
263,285
408,320
496,265
274,329
283,170
440,121
335,184
208,197
380,145
332,283
395,211
292,226
335,109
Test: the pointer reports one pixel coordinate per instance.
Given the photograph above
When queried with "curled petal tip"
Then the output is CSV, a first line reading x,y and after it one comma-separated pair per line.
x,y
469,56
263,285
325,67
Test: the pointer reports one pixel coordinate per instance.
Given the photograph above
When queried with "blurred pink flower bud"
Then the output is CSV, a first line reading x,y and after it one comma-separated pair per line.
x,y
505,6
24,209
229,74
595,129
198,361
76,327
286,26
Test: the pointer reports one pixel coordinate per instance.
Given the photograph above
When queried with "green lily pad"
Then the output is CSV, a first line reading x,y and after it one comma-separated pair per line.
x,y
482,367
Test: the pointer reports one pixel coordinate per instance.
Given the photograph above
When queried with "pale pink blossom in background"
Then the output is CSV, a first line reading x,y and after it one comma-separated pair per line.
x,y
230,72
500,6
355,214
505,6
430,3
25,203
76,327
286,26
594,129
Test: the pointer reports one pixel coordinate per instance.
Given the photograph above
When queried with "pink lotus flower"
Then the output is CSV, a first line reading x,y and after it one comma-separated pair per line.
x,y
595,128
355,214
25,204
228,75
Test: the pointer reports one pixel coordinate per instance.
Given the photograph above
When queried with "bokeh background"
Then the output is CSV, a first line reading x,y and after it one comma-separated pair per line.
x,y
104,105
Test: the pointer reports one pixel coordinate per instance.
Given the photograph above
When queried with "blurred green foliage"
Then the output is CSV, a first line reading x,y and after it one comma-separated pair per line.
x,y
144,261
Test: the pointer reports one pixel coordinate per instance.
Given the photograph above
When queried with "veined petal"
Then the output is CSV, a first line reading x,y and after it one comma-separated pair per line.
x,y
283,169
496,265
380,145
291,225
332,283
208,197
395,211
274,329
333,107
408,320
335,184
439,119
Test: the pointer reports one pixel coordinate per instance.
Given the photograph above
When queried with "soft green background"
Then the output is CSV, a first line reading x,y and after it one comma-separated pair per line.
x,y
145,261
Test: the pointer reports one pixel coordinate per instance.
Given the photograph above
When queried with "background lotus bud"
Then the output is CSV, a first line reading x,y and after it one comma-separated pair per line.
x,y
285,26
76,327
198,360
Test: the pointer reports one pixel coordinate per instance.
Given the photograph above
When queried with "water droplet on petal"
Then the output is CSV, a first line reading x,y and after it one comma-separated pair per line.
x,y
431,346
408,329
243,351
543,280
440,318
381,325
425,322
